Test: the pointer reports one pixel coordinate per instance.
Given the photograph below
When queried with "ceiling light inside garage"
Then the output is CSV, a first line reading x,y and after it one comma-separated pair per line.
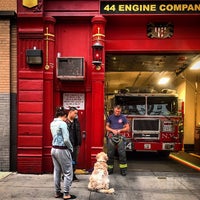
x,y
195,65
163,81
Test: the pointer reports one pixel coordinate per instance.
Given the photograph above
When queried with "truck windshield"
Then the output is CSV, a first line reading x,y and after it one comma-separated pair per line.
x,y
150,105
162,106
131,105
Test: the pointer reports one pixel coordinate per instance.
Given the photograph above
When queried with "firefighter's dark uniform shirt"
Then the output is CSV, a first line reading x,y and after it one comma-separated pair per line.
x,y
117,122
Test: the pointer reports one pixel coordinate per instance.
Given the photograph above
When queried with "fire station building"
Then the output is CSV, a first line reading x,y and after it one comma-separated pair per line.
x,y
8,84
61,60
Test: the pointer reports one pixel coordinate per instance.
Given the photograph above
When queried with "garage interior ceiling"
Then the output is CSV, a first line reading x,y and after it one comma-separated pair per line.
x,y
142,71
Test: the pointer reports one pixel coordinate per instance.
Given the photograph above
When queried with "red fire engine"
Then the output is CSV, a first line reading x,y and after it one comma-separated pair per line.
x,y
156,121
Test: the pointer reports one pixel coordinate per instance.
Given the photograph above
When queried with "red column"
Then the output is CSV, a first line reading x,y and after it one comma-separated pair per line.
x,y
49,68
29,92
97,135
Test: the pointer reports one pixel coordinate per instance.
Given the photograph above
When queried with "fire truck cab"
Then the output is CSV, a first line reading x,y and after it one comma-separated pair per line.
x,y
156,121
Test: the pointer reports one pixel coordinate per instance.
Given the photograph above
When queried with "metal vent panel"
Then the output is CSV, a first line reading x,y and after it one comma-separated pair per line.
x,y
69,68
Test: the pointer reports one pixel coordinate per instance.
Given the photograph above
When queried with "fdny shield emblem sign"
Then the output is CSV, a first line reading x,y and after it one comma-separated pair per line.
x,y
29,3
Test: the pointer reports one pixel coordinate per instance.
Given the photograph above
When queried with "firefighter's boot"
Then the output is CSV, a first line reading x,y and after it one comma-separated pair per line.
x,y
123,172
123,169
110,169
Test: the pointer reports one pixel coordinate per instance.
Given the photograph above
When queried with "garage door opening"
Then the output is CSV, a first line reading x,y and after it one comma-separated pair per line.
x,y
138,72
155,111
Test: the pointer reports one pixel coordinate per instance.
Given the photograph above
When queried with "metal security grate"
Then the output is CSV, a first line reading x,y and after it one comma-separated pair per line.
x,y
146,124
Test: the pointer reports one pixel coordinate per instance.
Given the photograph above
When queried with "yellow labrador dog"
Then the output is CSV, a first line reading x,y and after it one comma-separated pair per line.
x,y
99,180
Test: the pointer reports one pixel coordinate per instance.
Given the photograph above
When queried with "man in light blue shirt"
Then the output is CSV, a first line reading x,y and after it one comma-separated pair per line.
x,y
61,154
60,134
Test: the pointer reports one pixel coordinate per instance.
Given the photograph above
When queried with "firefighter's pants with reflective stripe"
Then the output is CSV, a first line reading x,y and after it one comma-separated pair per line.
x,y
111,146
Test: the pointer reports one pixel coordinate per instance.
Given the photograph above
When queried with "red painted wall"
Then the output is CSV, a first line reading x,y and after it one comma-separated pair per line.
x,y
73,39
131,32
72,25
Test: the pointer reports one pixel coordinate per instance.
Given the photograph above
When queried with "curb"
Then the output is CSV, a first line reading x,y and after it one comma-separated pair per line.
x,y
189,164
4,174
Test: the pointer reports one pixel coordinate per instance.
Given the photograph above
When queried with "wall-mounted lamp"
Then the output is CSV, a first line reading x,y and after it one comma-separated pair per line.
x,y
97,51
34,56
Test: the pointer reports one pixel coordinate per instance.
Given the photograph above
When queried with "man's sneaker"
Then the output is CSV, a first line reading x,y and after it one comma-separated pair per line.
x,y
68,196
59,195
75,179
110,171
123,172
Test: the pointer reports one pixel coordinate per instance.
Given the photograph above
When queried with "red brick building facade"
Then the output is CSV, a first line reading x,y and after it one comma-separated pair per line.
x,y
8,85
69,29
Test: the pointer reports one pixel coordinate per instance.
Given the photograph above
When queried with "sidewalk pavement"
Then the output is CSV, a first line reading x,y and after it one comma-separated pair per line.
x,y
37,187
4,174
137,185
143,182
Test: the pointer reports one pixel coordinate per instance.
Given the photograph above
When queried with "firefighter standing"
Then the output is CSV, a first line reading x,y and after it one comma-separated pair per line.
x,y
115,124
